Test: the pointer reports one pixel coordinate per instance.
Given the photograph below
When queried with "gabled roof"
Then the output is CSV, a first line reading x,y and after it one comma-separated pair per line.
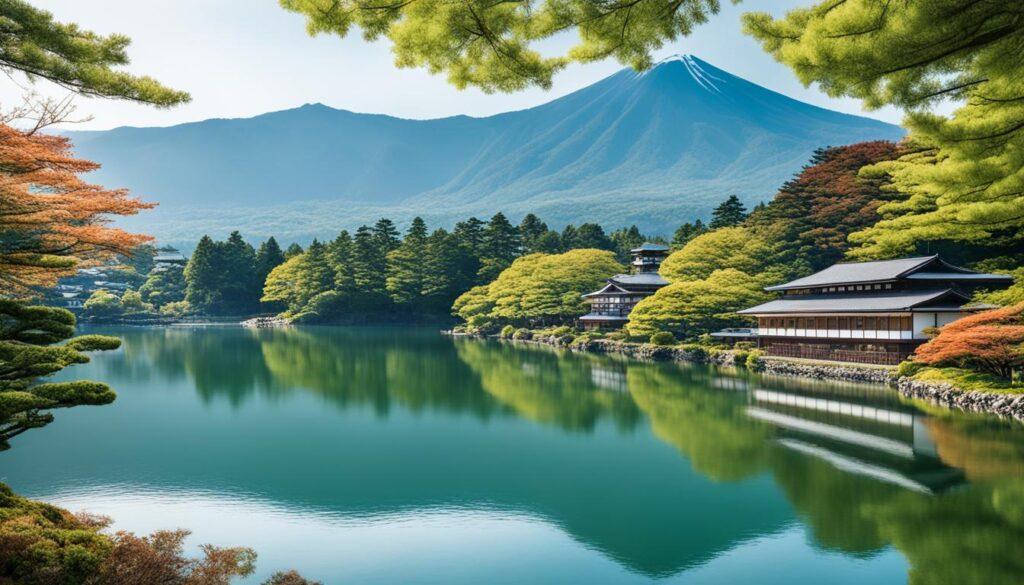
x,y
650,247
875,303
887,271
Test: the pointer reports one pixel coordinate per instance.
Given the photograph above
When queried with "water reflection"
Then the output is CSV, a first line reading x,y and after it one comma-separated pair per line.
x,y
660,468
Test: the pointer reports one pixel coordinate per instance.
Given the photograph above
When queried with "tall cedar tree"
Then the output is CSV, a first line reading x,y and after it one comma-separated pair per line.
x,y
268,257
500,246
405,265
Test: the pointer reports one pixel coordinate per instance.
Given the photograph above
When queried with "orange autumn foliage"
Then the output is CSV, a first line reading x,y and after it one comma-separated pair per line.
x,y
51,221
991,341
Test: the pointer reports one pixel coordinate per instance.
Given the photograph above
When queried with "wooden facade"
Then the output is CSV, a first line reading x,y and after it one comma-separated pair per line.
x,y
610,306
869,312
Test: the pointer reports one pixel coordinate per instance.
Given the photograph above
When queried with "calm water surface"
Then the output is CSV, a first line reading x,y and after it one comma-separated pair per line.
x,y
390,456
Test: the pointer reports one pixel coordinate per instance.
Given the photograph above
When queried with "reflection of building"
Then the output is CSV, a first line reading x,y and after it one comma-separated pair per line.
x,y
889,442
871,312
610,306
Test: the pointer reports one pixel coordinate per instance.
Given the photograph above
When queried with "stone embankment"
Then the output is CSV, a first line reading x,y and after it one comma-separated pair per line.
x,y
264,322
826,371
945,394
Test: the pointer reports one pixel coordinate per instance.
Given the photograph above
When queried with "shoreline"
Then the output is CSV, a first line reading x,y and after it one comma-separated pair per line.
x,y
941,394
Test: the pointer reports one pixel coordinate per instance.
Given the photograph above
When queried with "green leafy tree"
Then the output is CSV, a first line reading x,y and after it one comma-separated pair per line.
x,y
164,285
591,235
729,213
82,61
539,289
961,179
492,45
103,303
626,239
29,354
131,302
550,242
691,308
731,247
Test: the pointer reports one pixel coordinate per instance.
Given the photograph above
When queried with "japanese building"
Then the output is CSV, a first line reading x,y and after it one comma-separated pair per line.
x,y
869,312
610,306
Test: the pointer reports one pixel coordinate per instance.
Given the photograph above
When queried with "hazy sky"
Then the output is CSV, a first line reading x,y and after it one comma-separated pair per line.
x,y
240,58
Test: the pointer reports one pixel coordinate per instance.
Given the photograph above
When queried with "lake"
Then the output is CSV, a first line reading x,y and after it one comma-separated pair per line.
x,y
386,455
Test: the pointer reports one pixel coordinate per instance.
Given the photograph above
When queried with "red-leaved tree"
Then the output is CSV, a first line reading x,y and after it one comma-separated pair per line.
x,y
991,341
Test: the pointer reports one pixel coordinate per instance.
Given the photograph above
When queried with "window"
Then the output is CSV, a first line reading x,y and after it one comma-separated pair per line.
x,y
791,323
800,323
905,324
844,322
888,286
883,324
833,323
869,323
819,322
858,324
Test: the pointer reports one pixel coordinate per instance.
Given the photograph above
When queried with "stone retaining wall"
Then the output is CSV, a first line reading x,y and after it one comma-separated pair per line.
x,y
944,394
826,372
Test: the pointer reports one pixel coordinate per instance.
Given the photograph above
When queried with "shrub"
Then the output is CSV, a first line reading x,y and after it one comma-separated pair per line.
x,y
562,331
289,578
176,309
522,333
753,361
739,357
663,338
696,350
745,345
507,331
617,336
908,368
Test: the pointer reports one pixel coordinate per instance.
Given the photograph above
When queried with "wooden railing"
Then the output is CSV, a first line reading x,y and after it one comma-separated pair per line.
x,y
835,355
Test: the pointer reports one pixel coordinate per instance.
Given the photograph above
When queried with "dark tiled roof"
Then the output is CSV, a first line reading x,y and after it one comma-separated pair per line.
x,y
603,318
650,247
847,303
857,272
968,276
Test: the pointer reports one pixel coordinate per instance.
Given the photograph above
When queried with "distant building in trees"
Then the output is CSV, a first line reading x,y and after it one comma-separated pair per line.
x,y
167,257
610,306
870,312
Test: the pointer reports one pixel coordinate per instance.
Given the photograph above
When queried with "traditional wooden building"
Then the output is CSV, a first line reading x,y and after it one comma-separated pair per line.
x,y
610,306
869,312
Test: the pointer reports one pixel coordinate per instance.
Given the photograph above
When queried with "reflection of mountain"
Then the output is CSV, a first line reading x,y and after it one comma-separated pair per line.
x,y
416,421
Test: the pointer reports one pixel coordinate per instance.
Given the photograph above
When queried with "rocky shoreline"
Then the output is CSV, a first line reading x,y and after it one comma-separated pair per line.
x,y
265,322
945,395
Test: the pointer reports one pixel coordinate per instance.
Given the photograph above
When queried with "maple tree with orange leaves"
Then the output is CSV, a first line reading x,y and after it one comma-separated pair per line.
x,y
53,222
991,341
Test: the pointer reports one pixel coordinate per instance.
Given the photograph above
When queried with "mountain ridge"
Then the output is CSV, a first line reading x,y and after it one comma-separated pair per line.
x,y
654,148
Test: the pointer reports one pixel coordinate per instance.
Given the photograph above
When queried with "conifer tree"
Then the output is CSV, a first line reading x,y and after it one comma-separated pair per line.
x,y
293,250
164,285
591,235
368,266
340,255
405,265
531,229
470,234
386,236
268,257
729,213
687,232
239,285
500,243
202,277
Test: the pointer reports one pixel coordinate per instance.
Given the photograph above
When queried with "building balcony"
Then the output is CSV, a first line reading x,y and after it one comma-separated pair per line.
x,y
867,334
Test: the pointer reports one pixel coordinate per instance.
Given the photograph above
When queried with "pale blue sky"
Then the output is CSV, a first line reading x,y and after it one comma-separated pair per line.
x,y
241,58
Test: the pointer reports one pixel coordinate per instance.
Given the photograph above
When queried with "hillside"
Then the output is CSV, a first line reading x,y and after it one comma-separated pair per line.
x,y
654,149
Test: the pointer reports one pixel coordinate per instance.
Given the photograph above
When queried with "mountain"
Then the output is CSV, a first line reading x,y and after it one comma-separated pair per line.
x,y
654,148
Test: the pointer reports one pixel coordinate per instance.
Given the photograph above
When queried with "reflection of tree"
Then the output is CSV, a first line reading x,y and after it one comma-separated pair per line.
x,y
549,387
983,448
377,367
708,426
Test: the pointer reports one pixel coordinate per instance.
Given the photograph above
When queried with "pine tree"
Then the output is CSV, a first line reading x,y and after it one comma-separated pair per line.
x,y
405,266
470,234
591,235
293,250
531,229
729,213
340,254
368,267
239,285
500,247
626,239
202,279
164,285
268,257
569,238
687,232
385,234
449,270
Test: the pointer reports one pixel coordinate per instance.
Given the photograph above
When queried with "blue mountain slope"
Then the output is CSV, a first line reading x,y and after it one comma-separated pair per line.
x,y
654,149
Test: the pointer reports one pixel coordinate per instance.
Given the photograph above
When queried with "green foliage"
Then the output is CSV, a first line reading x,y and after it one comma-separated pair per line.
x,y
735,248
753,360
79,60
909,368
539,289
507,331
492,45
687,232
690,308
221,277
131,302
961,179
729,213
663,338
698,351
103,303
522,333
164,285
28,355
